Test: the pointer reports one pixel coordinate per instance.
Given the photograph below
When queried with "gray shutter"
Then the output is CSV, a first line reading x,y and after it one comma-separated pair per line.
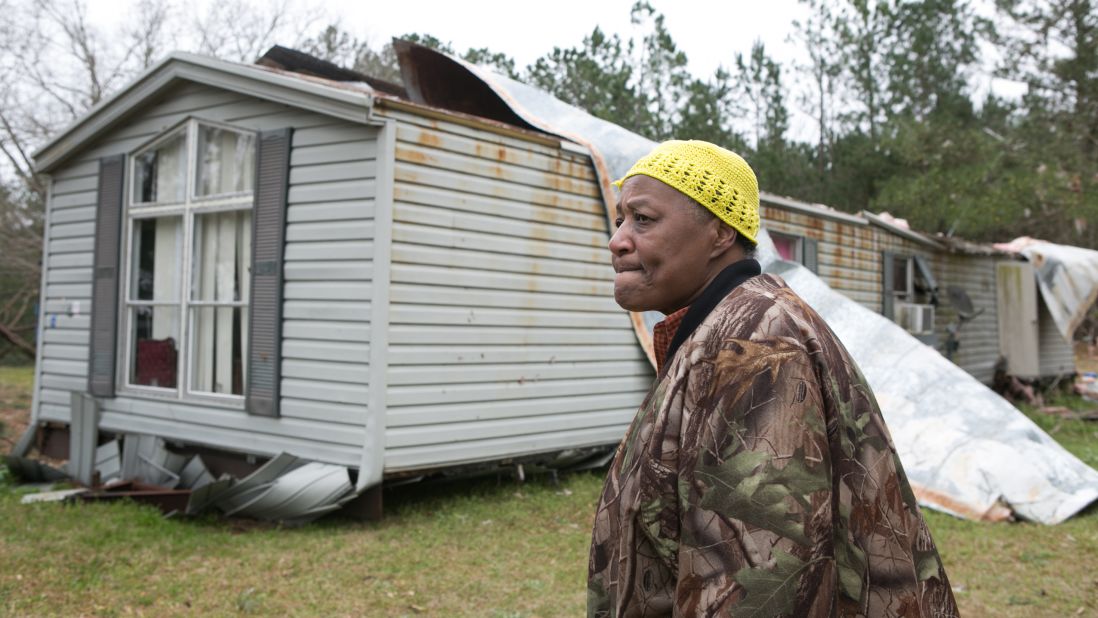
x,y
888,282
810,252
104,311
268,239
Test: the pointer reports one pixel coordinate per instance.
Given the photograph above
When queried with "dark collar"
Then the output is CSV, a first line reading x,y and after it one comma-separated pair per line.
x,y
723,284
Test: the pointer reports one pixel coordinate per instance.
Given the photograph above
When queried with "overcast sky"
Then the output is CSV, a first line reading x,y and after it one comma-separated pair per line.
x,y
710,33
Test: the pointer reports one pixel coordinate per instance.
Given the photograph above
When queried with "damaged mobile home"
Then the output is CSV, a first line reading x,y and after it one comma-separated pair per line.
x,y
294,258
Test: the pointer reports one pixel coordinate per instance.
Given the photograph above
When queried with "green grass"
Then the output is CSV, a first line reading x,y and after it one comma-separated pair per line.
x,y
16,386
460,548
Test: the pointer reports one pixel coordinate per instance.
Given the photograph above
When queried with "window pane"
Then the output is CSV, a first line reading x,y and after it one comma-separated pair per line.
x,y
222,256
786,246
899,275
155,259
159,174
154,355
226,162
218,349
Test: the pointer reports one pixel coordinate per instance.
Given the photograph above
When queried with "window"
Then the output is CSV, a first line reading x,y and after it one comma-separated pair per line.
x,y
189,236
799,249
788,246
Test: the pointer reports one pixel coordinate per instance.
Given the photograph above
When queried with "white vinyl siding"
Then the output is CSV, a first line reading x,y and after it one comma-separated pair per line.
x,y
504,337
327,286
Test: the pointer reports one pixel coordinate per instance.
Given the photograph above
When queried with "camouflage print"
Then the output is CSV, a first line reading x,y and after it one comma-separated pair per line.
x,y
758,479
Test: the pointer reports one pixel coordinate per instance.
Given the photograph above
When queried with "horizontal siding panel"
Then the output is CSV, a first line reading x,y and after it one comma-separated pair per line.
x,y
76,170
69,260
332,191
221,418
484,149
456,335
519,373
58,398
64,383
490,280
333,153
54,412
73,200
343,311
457,258
331,211
397,396
73,215
355,250
335,230
65,337
316,390
415,416
444,353
435,455
496,244
325,350
330,331
64,321
329,371
457,316
333,134
190,97
65,352
331,172
65,367
69,290
494,170
403,293
75,184
487,137
326,290
274,120
69,275
324,411
480,204
313,441
456,181
485,430
72,245
454,220
361,270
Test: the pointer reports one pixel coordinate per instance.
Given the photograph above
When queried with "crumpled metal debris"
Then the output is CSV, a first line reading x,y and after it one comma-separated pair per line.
x,y
960,443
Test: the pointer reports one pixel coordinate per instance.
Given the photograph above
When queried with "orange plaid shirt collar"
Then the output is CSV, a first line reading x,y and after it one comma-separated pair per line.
x,y
663,333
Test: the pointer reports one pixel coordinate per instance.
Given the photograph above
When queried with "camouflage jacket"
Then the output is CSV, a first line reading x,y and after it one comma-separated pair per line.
x,y
758,479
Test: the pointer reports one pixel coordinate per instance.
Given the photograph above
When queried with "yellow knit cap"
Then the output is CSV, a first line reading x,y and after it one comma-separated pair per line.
x,y
716,178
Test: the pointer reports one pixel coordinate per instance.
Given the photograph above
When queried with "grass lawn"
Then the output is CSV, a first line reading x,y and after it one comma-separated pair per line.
x,y
462,548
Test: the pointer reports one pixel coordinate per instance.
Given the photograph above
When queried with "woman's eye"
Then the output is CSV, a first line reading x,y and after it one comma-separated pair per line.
x,y
618,222
641,218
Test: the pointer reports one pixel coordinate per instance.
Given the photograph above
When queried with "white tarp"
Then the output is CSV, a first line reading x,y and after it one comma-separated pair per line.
x,y
1067,277
967,450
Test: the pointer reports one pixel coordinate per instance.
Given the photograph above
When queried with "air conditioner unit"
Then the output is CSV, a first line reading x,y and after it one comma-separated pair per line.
x,y
915,319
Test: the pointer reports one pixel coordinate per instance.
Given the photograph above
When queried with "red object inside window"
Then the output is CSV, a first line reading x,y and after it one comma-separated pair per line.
x,y
156,363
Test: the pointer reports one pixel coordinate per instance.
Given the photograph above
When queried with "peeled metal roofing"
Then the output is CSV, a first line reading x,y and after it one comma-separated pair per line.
x,y
960,443
1067,277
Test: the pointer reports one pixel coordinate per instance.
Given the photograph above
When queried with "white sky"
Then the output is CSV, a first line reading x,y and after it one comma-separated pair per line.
x,y
710,33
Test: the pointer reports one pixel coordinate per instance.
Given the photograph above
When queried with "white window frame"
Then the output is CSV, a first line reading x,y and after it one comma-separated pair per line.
x,y
191,207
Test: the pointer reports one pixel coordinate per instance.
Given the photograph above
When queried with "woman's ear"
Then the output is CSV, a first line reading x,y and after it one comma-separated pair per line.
x,y
726,237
